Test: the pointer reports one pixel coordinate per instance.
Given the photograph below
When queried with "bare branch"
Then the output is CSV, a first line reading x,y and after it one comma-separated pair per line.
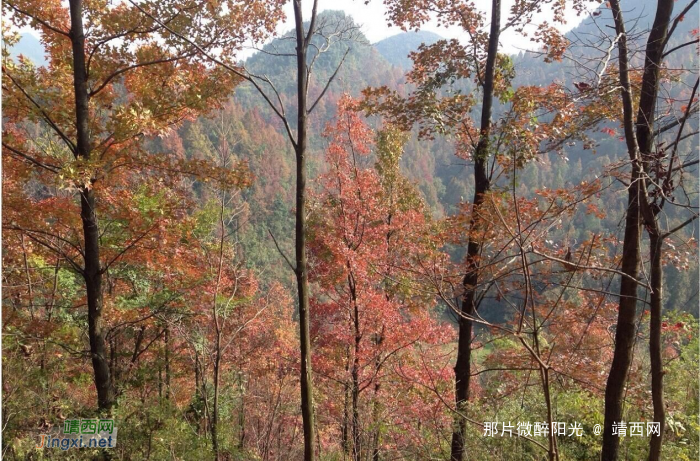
x,y
328,83
678,19
125,249
281,252
595,268
46,166
680,226
679,47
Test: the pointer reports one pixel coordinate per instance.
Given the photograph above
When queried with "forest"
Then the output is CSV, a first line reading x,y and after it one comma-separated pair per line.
x,y
239,230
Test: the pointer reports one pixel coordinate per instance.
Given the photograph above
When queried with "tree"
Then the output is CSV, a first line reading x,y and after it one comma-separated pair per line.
x,y
436,68
114,77
369,230
317,36
647,164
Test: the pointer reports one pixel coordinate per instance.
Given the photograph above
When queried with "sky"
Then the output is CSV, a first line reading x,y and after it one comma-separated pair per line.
x,y
374,24
372,18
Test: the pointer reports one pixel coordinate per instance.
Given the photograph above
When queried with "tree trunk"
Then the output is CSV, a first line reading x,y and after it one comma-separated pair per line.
x,y
657,373
356,445
214,424
344,433
113,362
241,413
552,439
377,406
307,402
645,119
197,391
639,145
471,278
166,341
625,330
92,272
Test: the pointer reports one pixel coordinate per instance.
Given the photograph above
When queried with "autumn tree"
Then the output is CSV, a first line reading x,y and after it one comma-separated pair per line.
x,y
114,76
369,229
312,39
436,68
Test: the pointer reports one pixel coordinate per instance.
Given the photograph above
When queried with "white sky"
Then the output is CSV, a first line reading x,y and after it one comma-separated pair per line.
x,y
372,18
374,24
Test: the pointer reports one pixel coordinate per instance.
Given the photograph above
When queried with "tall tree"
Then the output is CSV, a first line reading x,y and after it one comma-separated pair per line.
x,y
369,230
319,37
438,66
113,61
646,182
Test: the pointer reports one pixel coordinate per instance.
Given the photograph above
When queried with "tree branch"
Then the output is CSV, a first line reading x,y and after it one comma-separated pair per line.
x,y
40,21
328,83
46,166
281,252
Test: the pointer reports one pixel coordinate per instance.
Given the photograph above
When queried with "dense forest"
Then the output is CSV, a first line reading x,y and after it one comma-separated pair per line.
x,y
422,248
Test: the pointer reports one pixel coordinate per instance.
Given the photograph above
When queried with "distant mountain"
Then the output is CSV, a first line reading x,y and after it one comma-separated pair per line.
x,y
363,66
639,16
396,48
30,47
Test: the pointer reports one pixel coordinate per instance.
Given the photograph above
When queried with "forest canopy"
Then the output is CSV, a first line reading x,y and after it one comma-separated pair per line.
x,y
238,230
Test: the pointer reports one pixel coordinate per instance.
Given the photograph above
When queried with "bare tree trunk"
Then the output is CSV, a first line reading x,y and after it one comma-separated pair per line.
x,y
92,272
214,424
645,134
345,439
625,331
356,445
553,451
307,402
113,362
241,413
471,278
197,391
377,406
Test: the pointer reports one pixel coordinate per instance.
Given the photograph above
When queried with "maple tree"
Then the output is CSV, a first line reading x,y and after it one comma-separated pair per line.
x,y
440,65
369,229
97,98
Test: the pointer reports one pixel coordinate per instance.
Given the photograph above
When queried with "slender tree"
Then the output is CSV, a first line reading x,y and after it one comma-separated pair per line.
x,y
319,37
438,66
651,182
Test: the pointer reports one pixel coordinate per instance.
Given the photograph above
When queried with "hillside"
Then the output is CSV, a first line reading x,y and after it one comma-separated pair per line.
x,y
238,230
430,164
395,49
442,178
